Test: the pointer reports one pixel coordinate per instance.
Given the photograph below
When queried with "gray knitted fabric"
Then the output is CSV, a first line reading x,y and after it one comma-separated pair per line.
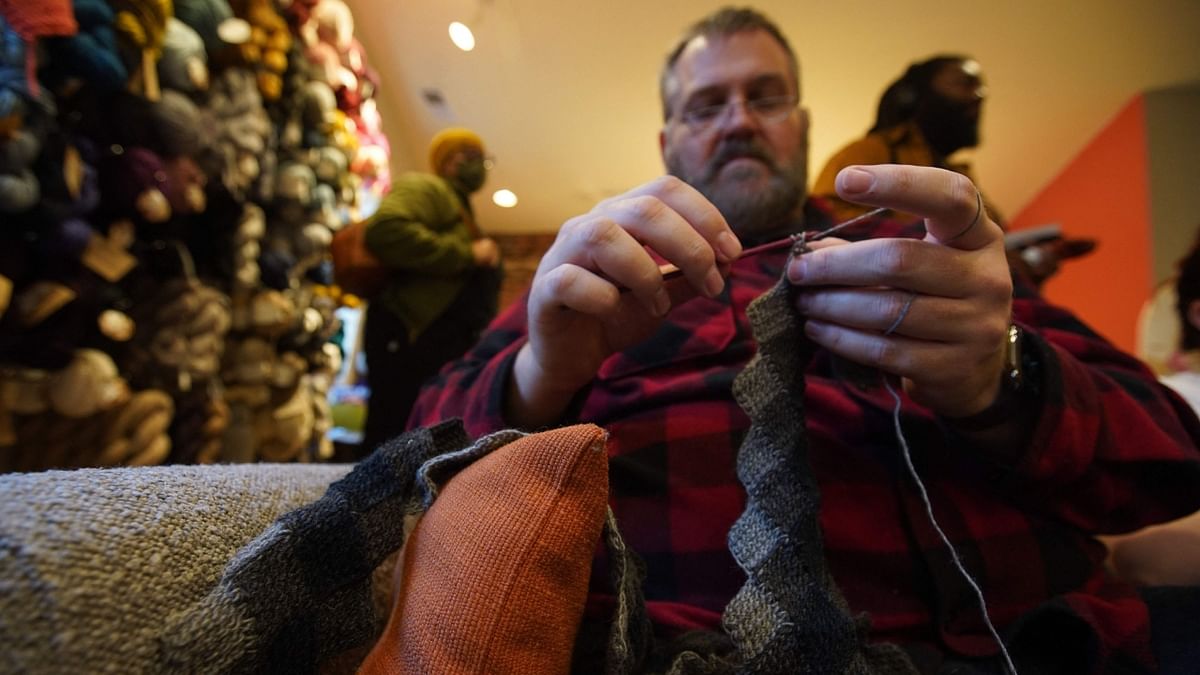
x,y
789,616
209,569
93,562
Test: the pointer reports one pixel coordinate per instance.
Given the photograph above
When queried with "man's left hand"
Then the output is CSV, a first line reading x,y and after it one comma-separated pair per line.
x,y
934,312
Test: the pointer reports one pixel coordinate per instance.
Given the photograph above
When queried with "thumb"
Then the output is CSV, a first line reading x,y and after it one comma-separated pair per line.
x,y
948,201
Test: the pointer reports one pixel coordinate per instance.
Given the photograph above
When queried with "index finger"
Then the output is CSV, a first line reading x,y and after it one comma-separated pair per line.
x,y
950,203
694,208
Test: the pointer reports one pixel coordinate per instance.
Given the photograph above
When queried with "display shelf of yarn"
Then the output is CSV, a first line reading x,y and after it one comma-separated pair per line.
x,y
169,185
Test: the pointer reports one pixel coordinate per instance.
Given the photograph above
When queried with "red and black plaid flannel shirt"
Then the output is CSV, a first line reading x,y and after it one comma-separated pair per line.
x,y
1111,451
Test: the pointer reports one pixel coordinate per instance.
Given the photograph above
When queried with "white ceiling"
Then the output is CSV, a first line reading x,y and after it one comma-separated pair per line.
x,y
565,92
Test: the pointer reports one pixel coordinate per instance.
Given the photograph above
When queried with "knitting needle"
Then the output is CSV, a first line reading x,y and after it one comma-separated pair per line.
x,y
670,271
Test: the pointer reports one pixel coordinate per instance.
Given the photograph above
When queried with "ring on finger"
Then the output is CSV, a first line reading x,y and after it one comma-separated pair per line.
x,y
908,303
978,214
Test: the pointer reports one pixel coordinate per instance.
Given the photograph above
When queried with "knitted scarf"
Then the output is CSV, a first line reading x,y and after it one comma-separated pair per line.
x,y
789,616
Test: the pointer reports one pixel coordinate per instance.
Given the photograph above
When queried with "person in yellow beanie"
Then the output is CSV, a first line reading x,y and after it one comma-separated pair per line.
x,y
445,281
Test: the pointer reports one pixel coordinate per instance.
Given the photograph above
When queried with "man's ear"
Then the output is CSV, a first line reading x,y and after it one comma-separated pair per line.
x,y
662,143
1193,314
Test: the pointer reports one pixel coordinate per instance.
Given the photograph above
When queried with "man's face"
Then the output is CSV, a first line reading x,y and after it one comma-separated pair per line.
x,y
467,168
750,157
950,116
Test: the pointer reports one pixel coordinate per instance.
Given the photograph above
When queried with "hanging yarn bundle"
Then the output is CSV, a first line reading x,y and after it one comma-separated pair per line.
x,y
14,87
177,120
371,161
19,147
131,433
163,282
240,151
34,20
246,248
19,188
171,130
169,127
265,52
181,336
88,385
285,429
83,415
184,63
134,185
136,434
91,55
141,30
207,17
329,37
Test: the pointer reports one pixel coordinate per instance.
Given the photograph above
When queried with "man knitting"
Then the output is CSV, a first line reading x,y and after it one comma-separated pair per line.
x,y
1029,432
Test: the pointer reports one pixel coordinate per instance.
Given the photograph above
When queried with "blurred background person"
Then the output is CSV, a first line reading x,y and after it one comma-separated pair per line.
x,y
1186,361
924,118
444,284
1169,554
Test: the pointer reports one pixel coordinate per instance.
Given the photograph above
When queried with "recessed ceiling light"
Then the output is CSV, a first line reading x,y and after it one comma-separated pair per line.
x,y
504,198
462,37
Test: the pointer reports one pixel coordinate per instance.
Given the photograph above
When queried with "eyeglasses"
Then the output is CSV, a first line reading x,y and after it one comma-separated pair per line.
x,y
489,161
765,109
474,154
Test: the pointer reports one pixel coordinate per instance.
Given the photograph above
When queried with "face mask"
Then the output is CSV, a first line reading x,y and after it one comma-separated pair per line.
x,y
471,174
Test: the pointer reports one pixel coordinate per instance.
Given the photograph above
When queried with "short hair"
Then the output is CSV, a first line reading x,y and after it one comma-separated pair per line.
x,y
1187,290
903,97
724,22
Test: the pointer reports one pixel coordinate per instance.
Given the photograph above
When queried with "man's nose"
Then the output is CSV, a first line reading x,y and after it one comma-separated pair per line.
x,y
737,116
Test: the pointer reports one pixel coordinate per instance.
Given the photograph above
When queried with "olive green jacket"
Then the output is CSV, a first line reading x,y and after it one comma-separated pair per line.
x,y
421,232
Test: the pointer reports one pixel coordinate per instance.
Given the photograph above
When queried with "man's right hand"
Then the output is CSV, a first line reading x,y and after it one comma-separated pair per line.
x,y
580,312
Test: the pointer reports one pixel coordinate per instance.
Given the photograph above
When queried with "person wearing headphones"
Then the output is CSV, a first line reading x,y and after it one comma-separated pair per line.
x,y
444,281
926,116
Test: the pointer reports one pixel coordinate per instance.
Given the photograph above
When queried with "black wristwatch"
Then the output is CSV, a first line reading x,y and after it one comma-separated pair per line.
x,y
1013,385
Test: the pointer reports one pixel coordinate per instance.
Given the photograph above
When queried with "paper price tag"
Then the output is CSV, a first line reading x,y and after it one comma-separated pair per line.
x,y
109,261
36,303
73,171
150,88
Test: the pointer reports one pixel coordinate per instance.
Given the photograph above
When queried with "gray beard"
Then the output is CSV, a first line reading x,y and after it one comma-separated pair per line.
x,y
755,215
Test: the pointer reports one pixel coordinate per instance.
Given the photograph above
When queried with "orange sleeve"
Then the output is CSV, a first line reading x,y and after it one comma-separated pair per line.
x,y
866,150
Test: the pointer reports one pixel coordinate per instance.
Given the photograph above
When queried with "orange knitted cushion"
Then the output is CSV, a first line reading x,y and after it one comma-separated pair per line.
x,y
495,574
